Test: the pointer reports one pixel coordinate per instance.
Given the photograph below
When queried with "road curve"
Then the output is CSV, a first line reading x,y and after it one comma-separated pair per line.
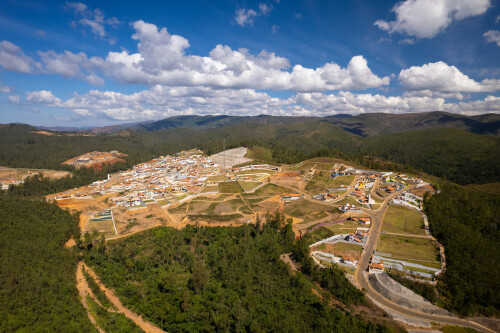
x,y
361,275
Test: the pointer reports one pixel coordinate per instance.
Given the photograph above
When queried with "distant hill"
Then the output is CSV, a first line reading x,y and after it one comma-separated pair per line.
x,y
363,124
371,124
437,143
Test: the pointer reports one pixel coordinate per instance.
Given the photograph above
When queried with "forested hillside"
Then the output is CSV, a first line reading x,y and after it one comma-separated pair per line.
x,y
467,224
221,279
37,274
456,155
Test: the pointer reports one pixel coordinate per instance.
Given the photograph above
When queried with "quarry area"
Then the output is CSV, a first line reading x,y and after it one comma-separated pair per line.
x,y
95,159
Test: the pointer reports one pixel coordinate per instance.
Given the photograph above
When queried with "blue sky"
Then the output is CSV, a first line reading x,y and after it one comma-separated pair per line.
x,y
96,63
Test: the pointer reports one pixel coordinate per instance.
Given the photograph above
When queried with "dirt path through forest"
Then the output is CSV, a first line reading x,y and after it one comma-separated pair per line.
x,y
145,325
84,290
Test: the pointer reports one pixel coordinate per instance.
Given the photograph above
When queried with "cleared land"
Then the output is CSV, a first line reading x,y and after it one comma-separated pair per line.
x,y
403,247
341,249
104,226
401,220
230,187
319,183
249,185
304,209
233,157
344,227
128,221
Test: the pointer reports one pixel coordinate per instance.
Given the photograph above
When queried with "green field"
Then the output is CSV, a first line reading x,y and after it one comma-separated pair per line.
x,y
344,247
319,234
268,190
103,226
342,180
344,227
348,200
319,183
230,187
401,220
403,247
249,185
302,208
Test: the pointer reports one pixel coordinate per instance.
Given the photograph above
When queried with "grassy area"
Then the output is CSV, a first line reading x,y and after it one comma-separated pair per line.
x,y
344,227
342,180
348,200
236,203
214,218
403,247
103,226
402,220
346,247
181,209
457,329
249,185
214,188
319,183
302,208
230,187
319,234
270,190
348,270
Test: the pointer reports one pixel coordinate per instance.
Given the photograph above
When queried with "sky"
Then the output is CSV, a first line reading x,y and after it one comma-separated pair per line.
x,y
97,63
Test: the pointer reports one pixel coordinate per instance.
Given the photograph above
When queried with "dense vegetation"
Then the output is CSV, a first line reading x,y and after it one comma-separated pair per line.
x,y
467,224
452,154
37,274
218,279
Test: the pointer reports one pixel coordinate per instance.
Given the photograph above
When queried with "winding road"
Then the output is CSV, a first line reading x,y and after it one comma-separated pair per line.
x,y
361,275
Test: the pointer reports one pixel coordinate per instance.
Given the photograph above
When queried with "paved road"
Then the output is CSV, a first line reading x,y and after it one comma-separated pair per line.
x,y
361,276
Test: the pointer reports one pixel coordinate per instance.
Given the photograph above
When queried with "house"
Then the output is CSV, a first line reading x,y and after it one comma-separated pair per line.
x,y
348,260
377,267
390,189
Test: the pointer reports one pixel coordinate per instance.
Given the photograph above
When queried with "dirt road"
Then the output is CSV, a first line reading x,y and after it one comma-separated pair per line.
x,y
145,325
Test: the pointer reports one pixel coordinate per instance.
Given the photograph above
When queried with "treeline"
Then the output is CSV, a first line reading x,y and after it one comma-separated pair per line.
x,y
467,224
456,155
219,279
36,186
37,274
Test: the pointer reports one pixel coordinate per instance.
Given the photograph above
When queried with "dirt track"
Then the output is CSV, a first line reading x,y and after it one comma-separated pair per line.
x,y
83,288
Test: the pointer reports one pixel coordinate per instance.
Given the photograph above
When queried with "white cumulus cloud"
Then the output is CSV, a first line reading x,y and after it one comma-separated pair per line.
x,y
441,77
12,58
427,18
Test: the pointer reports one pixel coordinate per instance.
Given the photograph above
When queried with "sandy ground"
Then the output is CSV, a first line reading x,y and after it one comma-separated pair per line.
x,y
123,217
233,157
